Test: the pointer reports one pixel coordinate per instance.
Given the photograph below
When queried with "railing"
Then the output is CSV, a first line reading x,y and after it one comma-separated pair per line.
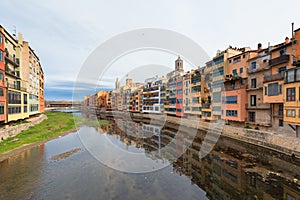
x,y
12,59
279,60
258,67
274,77
259,106
206,105
12,72
15,85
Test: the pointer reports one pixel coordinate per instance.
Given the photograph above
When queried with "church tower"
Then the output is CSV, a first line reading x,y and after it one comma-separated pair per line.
x,y
179,64
117,84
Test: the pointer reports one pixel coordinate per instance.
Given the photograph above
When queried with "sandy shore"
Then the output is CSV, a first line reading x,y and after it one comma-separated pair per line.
x,y
17,151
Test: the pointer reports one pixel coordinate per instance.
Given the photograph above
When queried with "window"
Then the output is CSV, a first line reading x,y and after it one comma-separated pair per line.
x,y
1,55
280,122
14,109
25,98
229,100
1,39
236,60
1,109
14,97
234,71
273,89
244,56
218,72
179,84
290,94
282,52
217,97
281,71
291,113
280,110
252,100
290,76
253,66
25,109
280,89
1,92
241,70
231,113
251,116
253,83
266,90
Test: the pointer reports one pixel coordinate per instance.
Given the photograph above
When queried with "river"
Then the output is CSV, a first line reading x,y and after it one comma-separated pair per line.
x,y
68,168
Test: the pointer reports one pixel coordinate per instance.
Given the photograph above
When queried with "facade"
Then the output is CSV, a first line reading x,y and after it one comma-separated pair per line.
x,y
253,88
19,79
31,76
258,112
153,95
280,61
102,99
234,94
3,92
170,102
219,69
41,93
17,95
206,111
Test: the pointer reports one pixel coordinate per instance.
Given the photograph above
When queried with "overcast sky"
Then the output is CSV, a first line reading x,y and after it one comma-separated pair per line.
x,y
65,32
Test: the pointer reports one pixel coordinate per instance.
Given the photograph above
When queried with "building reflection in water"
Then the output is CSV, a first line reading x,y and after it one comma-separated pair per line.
x,y
231,171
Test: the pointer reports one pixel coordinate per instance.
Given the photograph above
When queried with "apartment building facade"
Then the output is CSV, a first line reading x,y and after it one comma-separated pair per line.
x,y
3,97
234,94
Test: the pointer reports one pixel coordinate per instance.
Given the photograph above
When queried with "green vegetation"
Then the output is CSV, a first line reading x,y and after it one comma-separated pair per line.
x,y
56,124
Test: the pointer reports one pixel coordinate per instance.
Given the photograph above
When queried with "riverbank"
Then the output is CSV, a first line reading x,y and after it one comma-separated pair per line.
x,y
276,142
56,124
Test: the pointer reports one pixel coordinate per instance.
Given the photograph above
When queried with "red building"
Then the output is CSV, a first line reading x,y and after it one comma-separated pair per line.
x,y
179,97
2,83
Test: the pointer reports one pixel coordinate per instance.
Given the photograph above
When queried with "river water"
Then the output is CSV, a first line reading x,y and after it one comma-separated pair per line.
x,y
67,168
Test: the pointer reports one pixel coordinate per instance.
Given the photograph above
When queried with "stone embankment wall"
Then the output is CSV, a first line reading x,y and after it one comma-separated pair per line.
x,y
10,130
282,142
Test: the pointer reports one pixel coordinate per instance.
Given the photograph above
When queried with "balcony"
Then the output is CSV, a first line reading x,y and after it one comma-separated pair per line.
x,y
15,85
279,60
11,72
258,67
274,77
259,106
206,106
12,59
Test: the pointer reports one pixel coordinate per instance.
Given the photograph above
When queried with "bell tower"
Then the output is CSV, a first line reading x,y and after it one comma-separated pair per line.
x,y
179,64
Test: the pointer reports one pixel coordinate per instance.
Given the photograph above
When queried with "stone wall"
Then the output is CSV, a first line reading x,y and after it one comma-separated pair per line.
x,y
10,130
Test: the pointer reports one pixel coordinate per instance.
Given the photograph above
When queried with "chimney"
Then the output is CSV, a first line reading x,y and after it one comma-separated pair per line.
x,y
259,46
287,40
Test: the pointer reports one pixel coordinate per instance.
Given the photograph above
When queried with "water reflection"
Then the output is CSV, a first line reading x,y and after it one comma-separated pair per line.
x,y
232,170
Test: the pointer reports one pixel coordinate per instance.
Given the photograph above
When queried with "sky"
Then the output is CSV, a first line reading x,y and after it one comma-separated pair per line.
x,y
64,33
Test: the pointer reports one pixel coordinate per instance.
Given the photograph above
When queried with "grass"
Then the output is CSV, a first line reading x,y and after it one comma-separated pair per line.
x,y
56,124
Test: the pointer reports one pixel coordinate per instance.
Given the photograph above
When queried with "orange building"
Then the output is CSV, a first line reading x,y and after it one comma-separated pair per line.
x,y
101,99
234,94
41,92
291,89
280,61
258,112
